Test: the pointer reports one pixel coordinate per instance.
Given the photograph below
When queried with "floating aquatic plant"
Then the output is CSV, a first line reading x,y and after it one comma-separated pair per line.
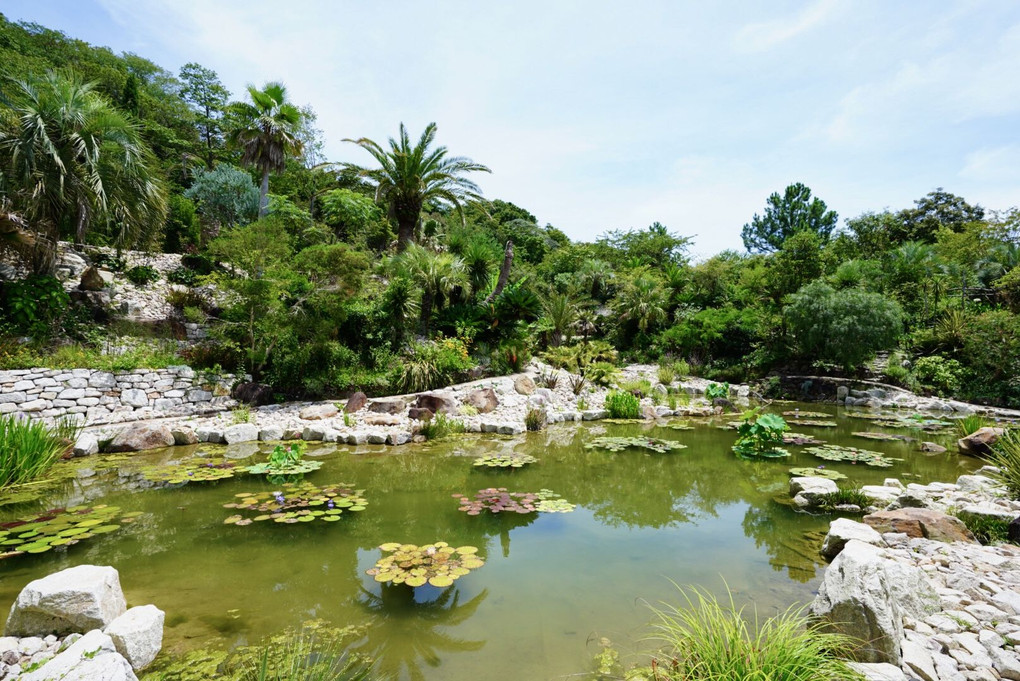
x,y
285,461
760,436
618,444
499,500
438,564
801,439
882,437
505,461
60,527
813,423
195,470
680,426
852,455
297,503
798,414
623,422
820,472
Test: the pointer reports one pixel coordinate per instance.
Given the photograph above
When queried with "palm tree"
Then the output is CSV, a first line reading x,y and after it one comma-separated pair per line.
x,y
266,132
72,161
437,275
561,313
408,177
643,303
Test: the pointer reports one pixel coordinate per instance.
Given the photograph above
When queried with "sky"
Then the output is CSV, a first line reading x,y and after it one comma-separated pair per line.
x,y
598,115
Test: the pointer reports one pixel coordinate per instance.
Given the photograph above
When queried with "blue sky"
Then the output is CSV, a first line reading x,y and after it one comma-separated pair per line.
x,y
603,115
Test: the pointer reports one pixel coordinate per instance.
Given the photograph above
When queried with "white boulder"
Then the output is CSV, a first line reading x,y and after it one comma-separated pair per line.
x,y
241,432
138,635
842,530
93,657
77,599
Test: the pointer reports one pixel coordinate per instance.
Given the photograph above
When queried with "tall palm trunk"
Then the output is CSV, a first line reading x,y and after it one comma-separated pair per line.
x,y
405,231
264,194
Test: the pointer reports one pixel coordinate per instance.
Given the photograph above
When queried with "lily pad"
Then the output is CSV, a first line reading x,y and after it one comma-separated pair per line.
x,y
195,470
852,455
57,527
806,472
619,444
437,564
296,502
506,461
498,500
882,437
293,468
801,439
798,414
813,423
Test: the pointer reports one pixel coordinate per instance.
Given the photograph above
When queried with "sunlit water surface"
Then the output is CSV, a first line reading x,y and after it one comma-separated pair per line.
x,y
552,585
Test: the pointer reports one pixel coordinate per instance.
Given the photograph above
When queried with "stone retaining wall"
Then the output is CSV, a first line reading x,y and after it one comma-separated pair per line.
x,y
102,397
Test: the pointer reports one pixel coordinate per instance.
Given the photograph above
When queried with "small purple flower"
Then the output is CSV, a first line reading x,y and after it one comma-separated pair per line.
x,y
822,466
330,504
279,498
191,472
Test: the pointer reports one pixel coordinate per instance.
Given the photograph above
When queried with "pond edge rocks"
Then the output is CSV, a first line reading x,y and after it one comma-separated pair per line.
x,y
85,605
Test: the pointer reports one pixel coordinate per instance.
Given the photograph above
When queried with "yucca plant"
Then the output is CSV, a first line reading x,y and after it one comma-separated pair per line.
x,y
1006,457
710,641
311,654
29,448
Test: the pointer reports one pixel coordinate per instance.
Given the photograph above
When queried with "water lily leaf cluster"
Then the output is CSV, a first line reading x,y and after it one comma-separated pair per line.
x,y
60,527
852,455
505,461
881,437
500,500
808,472
196,470
619,444
296,503
438,564
760,436
813,423
801,439
285,461
798,414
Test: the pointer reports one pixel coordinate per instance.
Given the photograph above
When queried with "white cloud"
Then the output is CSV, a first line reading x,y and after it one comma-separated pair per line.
x,y
767,34
996,166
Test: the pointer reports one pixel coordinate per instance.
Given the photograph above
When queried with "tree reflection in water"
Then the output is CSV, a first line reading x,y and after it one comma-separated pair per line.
x,y
403,632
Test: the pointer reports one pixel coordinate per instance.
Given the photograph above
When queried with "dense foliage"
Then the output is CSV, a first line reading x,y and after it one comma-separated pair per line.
x,y
397,276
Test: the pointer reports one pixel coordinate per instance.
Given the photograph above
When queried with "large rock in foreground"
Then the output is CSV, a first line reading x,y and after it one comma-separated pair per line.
x,y
807,490
865,595
138,635
979,443
77,599
437,403
141,437
93,657
921,523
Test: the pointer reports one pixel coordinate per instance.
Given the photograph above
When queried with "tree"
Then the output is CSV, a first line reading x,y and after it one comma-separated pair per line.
x,y
655,246
225,196
845,327
794,211
266,132
72,163
437,276
409,176
934,211
208,99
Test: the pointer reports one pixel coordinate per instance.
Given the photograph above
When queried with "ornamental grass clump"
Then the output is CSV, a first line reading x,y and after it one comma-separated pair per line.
x,y
441,426
29,448
315,652
622,405
1006,457
706,640
535,419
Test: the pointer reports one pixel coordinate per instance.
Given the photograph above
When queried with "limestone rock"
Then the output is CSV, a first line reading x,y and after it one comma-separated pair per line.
x,y
979,443
414,413
92,657
317,412
842,530
921,522
213,435
806,490
271,433
482,399
140,437
864,596
524,385
879,671
356,402
86,444
91,280
388,405
184,435
437,403
241,432
932,448
381,420
138,635
73,600
134,397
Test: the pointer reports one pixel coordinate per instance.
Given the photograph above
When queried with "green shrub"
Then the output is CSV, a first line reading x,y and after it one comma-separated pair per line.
x,y
666,374
184,276
942,375
182,228
241,415
711,641
433,364
142,356
1006,457
29,448
202,264
641,387
842,497
986,529
717,391
535,419
622,405
441,426
142,275
34,305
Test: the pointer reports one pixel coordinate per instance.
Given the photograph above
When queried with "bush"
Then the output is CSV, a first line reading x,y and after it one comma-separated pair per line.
x,y
440,426
183,275
844,327
30,448
433,364
717,391
142,275
842,497
943,376
986,529
622,405
707,640
142,356
182,228
34,305
666,374
202,264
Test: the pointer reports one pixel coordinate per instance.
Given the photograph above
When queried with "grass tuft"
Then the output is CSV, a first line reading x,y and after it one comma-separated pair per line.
x,y
29,448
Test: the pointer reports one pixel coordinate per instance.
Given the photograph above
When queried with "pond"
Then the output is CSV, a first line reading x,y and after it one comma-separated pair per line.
x,y
553,584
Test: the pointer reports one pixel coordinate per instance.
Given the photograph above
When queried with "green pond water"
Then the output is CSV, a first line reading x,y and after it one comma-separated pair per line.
x,y
552,585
